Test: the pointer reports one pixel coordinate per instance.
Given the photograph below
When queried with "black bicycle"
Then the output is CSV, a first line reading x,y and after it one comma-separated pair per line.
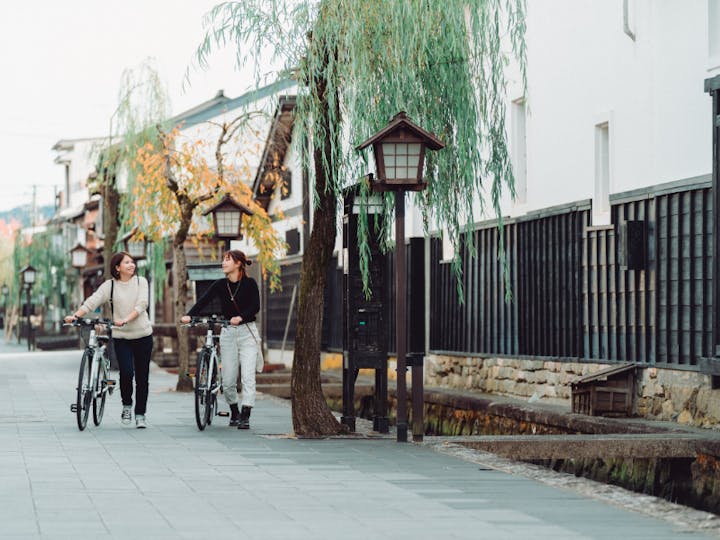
x,y
93,382
208,373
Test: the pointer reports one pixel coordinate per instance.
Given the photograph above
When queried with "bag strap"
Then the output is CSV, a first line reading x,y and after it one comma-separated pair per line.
x,y
112,293
251,332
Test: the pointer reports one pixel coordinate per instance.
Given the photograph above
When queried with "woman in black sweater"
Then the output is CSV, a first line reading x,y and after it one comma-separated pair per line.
x,y
235,297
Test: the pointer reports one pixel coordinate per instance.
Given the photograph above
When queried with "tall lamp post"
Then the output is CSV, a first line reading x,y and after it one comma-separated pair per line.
x,y
79,257
28,275
399,150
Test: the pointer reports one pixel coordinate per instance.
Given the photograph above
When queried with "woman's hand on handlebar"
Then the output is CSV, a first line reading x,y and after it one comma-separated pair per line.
x,y
185,319
69,319
235,321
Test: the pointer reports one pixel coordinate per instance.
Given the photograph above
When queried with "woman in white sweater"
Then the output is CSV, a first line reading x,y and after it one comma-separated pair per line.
x,y
127,295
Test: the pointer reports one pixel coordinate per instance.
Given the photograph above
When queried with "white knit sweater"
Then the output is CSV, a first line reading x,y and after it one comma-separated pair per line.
x,y
127,296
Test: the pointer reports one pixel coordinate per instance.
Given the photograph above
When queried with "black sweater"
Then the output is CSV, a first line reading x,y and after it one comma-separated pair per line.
x,y
216,300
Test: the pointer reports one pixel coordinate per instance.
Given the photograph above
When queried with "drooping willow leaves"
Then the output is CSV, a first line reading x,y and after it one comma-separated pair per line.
x,y
444,63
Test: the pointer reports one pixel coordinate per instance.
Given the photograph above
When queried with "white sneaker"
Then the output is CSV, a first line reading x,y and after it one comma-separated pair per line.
x,y
140,421
126,414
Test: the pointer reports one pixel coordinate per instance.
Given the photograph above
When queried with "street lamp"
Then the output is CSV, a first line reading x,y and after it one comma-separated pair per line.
x,y
79,256
227,218
136,248
27,276
400,158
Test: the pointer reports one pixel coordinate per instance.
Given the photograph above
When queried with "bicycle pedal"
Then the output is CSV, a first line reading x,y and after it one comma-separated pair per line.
x,y
73,407
223,413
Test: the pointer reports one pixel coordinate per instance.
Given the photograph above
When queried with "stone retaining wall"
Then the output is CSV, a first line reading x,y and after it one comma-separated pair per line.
x,y
663,394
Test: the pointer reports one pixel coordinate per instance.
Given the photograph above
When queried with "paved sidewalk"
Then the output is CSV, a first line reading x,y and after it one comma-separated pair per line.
x,y
172,481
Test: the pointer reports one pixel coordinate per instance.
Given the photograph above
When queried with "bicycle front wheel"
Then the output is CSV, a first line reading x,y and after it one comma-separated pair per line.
x,y
203,399
84,390
100,393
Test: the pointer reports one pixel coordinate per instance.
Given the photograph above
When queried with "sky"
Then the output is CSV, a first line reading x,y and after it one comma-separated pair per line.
x,y
60,70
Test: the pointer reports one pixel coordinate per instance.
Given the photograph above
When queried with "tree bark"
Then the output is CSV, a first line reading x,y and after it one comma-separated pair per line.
x,y
180,288
111,201
311,414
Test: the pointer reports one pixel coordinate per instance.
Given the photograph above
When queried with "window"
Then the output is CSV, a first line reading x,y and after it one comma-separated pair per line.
x,y
518,145
601,197
714,32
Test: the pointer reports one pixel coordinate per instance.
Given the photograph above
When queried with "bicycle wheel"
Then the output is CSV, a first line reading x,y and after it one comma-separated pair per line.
x,y
202,390
212,410
100,393
84,391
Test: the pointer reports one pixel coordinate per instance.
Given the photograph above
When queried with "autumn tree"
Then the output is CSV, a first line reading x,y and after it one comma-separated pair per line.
x,y
176,181
359,63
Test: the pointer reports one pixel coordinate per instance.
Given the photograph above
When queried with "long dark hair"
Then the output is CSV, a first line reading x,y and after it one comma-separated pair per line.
x,y
115,262
239,257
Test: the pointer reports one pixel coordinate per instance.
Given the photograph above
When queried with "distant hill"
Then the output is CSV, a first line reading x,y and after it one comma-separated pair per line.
x,y
23,214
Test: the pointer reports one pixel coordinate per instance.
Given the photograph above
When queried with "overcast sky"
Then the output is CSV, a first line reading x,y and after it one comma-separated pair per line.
x,y
60,70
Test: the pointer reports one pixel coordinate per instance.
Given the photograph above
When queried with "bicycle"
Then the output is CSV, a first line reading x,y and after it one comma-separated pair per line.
x,y
93,382
208,375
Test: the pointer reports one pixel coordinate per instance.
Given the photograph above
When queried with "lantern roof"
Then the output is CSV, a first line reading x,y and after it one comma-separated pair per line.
x,y
402,123
226,201
79,246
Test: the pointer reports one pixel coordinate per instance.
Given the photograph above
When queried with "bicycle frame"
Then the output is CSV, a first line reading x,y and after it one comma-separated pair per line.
x,y
208,373
90,389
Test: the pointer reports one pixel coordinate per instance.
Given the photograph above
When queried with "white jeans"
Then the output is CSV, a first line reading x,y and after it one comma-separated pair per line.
x,y
238,349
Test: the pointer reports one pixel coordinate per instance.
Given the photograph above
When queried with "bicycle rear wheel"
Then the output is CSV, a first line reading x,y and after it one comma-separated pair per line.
x,y
203,400
84,391
100,393
212,410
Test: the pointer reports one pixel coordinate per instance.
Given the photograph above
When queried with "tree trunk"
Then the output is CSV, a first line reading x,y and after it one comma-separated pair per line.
x,y
311,414
179,275
111,200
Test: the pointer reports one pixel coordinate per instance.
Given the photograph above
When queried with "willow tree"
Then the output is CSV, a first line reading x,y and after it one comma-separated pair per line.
x,y
175,183
358,63
142,103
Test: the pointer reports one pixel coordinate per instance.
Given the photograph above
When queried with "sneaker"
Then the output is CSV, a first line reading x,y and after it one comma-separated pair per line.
x,y
126,414
140,421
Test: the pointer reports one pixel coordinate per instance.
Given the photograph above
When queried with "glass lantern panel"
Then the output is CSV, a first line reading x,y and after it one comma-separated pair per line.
x,y
413,149
401,148
388,149
413,160
79,258
389,161
401,172
390,173
402,161
228,223
136,249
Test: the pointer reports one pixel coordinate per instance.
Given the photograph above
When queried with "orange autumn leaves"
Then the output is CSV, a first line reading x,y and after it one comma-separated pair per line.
x,y
175,174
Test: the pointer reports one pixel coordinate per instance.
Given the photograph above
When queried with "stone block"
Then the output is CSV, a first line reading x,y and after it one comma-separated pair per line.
x,y
667,410
685,417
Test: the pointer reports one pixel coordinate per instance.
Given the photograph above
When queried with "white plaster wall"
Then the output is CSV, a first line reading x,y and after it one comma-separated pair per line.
x,y
583,69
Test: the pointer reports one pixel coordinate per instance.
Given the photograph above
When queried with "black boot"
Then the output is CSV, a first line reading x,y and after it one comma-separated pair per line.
x,y
244,422
234,415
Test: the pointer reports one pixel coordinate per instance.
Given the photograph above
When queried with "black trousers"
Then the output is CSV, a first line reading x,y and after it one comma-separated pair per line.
x,y
133,357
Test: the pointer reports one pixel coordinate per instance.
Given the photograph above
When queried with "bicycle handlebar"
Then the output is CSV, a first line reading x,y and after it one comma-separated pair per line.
x,y
211,320
86,321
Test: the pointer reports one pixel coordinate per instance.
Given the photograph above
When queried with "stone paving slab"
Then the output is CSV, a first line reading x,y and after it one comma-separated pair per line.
x,y
173,481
